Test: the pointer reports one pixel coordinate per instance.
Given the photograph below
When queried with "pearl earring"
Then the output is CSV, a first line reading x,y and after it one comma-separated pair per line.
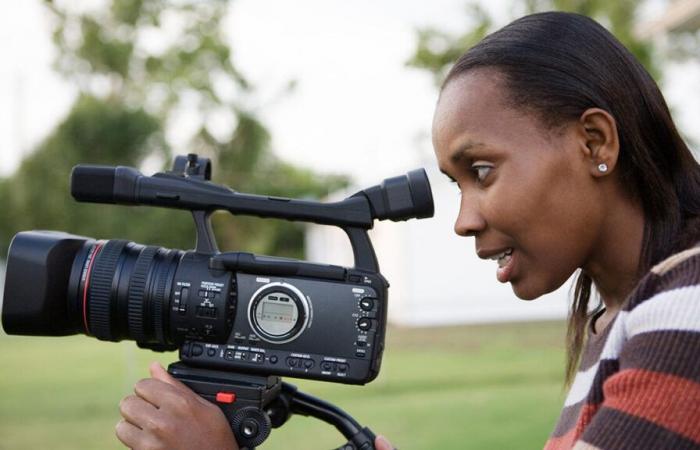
x,y
602,167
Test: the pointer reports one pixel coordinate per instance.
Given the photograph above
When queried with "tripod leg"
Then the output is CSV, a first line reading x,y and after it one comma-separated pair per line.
x,y
359,438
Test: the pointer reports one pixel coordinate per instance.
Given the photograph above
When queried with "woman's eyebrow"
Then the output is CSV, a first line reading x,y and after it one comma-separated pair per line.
x,y
463,150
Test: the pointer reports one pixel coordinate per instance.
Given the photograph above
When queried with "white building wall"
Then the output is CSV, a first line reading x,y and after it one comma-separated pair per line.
x,y
435,276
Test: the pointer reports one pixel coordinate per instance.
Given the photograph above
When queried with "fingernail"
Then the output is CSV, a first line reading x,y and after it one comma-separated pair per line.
x,y
385,442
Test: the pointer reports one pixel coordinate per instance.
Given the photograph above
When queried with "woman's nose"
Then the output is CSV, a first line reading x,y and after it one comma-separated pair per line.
x,y
469,220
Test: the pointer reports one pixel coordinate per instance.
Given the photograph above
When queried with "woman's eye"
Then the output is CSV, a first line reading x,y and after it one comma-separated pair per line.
x,y
481,171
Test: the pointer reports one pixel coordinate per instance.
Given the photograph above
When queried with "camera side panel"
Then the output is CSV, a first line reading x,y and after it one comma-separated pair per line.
x,y
303,328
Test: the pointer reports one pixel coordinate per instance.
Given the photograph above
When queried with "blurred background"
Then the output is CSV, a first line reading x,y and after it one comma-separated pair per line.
x,y
308,99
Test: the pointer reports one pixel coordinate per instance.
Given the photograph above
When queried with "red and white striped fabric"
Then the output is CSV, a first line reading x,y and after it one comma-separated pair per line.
x,y
638,385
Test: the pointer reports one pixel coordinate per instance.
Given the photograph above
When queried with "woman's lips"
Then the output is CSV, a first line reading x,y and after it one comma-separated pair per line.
x,y
505,268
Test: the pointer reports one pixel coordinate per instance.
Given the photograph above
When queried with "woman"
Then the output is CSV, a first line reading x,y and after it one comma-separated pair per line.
x,y
567,160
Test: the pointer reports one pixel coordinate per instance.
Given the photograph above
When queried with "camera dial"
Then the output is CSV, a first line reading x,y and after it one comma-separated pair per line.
x,y
278,312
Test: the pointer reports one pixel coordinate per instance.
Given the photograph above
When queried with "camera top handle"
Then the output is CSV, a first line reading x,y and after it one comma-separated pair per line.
x,y
188,187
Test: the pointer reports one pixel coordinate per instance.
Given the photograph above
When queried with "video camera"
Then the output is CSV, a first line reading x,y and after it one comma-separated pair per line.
x,y
239,320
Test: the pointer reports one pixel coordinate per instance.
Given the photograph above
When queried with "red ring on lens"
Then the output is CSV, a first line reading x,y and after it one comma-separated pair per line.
x,y
95,252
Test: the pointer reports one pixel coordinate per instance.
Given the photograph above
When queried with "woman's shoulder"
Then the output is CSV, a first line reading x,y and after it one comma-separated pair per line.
x,y
682,269
683,263
668,297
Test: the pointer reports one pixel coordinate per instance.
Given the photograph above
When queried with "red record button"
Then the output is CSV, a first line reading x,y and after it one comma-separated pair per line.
x,y
225,397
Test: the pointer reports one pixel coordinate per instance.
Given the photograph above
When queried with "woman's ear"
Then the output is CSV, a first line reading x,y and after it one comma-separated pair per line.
x,y
601,145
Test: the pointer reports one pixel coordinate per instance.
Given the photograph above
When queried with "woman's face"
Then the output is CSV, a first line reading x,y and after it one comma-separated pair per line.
x,y
527,194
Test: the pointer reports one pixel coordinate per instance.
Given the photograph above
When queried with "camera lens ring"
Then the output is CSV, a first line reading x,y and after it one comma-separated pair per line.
x,y
169,260
137,290
100,288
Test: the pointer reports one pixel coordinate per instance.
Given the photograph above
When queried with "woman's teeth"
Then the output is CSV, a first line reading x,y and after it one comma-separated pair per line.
x,y
503,258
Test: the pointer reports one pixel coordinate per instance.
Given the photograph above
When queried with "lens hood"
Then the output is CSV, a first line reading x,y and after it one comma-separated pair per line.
x,y
38,269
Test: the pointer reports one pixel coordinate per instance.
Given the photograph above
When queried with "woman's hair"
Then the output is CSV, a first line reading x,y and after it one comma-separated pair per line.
x,y
557,65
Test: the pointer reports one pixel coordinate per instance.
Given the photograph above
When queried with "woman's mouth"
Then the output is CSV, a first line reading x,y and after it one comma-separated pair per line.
x,y
505,265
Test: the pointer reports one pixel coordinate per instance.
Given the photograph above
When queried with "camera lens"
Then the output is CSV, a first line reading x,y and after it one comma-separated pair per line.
x,y
121,290
58,284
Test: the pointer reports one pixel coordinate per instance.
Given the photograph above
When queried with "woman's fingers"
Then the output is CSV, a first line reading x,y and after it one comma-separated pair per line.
x,y
159,373
165,414
157,392
129,434
134,409
382,443
164,389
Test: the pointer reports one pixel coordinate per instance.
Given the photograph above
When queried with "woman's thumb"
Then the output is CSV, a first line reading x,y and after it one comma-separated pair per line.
x,y
159,373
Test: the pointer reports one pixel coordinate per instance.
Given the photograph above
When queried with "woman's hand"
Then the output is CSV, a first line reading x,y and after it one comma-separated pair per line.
x,y
381,443
166,414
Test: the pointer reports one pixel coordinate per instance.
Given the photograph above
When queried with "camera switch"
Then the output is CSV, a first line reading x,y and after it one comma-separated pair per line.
x,y
225,397
292,362
364,324
367,304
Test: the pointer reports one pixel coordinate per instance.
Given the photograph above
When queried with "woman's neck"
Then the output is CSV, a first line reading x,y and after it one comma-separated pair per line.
x,y
614,263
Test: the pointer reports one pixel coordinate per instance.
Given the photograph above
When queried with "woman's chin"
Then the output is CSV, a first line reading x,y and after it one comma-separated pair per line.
x,y
528,291
530,288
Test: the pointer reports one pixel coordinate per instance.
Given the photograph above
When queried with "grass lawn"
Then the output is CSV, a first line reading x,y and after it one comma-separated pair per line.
x,y
468,387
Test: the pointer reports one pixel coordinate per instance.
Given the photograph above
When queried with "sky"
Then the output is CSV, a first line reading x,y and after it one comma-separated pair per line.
x,y
355,102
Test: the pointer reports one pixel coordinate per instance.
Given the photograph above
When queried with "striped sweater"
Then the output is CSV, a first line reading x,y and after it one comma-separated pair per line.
x,y
638,385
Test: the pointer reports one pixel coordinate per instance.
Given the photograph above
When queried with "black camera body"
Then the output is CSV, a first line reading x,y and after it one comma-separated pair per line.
x,y
325,329
234,316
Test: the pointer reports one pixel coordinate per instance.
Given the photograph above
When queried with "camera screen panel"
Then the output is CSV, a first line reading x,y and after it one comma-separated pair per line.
x,y
276,314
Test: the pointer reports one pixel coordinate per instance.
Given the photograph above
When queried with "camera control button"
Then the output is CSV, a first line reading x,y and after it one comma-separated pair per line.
x,y
308,363
327,366
361,344
367,304
360,353
225,397
292,362
273,359
211,351
342,367
197,350
230,354
364,324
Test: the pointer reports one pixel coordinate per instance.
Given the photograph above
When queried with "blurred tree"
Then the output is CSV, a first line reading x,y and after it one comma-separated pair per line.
x,y
437,51
141,66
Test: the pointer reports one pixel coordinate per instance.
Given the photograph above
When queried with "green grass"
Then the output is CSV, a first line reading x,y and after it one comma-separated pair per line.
x,y
470,387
